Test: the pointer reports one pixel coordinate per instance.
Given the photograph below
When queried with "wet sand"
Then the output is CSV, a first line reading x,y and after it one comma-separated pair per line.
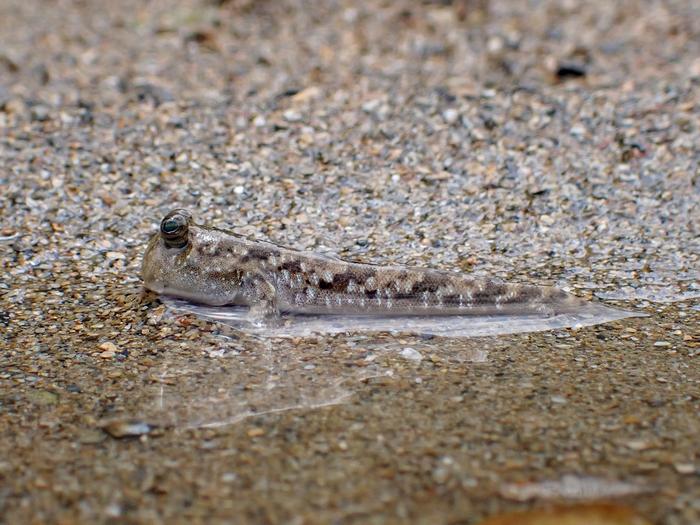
x,y
555,144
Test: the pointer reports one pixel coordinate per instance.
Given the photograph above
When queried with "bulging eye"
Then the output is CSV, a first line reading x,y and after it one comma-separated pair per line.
x,y
170,226
173,228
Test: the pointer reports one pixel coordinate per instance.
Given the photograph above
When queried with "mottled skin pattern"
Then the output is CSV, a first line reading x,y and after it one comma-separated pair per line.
x,y
216,267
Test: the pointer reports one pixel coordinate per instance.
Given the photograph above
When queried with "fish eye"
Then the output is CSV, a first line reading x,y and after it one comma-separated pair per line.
x,y
170,226
173,229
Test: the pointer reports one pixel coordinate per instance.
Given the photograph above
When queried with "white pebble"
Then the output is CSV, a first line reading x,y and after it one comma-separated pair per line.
x,y
411,353
450,115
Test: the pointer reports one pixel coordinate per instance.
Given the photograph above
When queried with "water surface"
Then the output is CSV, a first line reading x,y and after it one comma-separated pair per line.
x,y
446,326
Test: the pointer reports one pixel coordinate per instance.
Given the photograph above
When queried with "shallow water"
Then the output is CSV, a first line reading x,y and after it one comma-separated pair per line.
x,y
226,389
226,385
446,326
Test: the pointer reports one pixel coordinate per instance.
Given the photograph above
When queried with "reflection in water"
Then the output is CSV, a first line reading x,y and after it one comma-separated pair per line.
x,y
228,387
288,367
446,326
276,376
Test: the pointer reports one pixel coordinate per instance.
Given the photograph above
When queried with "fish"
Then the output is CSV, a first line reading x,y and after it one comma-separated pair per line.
x,y
216,267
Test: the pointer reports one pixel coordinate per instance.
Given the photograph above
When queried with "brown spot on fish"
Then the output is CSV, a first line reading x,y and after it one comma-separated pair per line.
x,y
526,294
485,295
424,286
453,300
342,280
206,248
256,254
292,266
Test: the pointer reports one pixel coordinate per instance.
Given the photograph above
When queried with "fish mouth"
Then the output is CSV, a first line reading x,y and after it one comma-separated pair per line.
x,y
153,286
194,297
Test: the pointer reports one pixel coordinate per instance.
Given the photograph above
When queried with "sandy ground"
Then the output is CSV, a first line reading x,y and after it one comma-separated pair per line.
x,y
551,142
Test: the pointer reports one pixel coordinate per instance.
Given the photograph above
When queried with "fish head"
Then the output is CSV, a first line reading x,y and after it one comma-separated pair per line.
x,y
181,260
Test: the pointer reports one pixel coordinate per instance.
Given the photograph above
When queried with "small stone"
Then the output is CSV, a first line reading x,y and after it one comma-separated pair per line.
x,y
450,115
639,445
631,420
371,105
90,436
441,474
307,94
411,354
685,468
547,219
40,113
113,510
256,432
443,471
662,343
567,70
43,397
292,115
131,428
109,350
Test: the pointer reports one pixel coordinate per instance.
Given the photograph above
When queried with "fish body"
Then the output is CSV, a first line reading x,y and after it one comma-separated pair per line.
x,y
218,267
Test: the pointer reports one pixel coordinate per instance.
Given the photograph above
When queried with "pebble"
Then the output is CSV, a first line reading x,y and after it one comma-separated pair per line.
x,y
292,116
411,354
109,350
131,428
255,432
450,115
91,436
686,468
40,113
42,397
639,445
